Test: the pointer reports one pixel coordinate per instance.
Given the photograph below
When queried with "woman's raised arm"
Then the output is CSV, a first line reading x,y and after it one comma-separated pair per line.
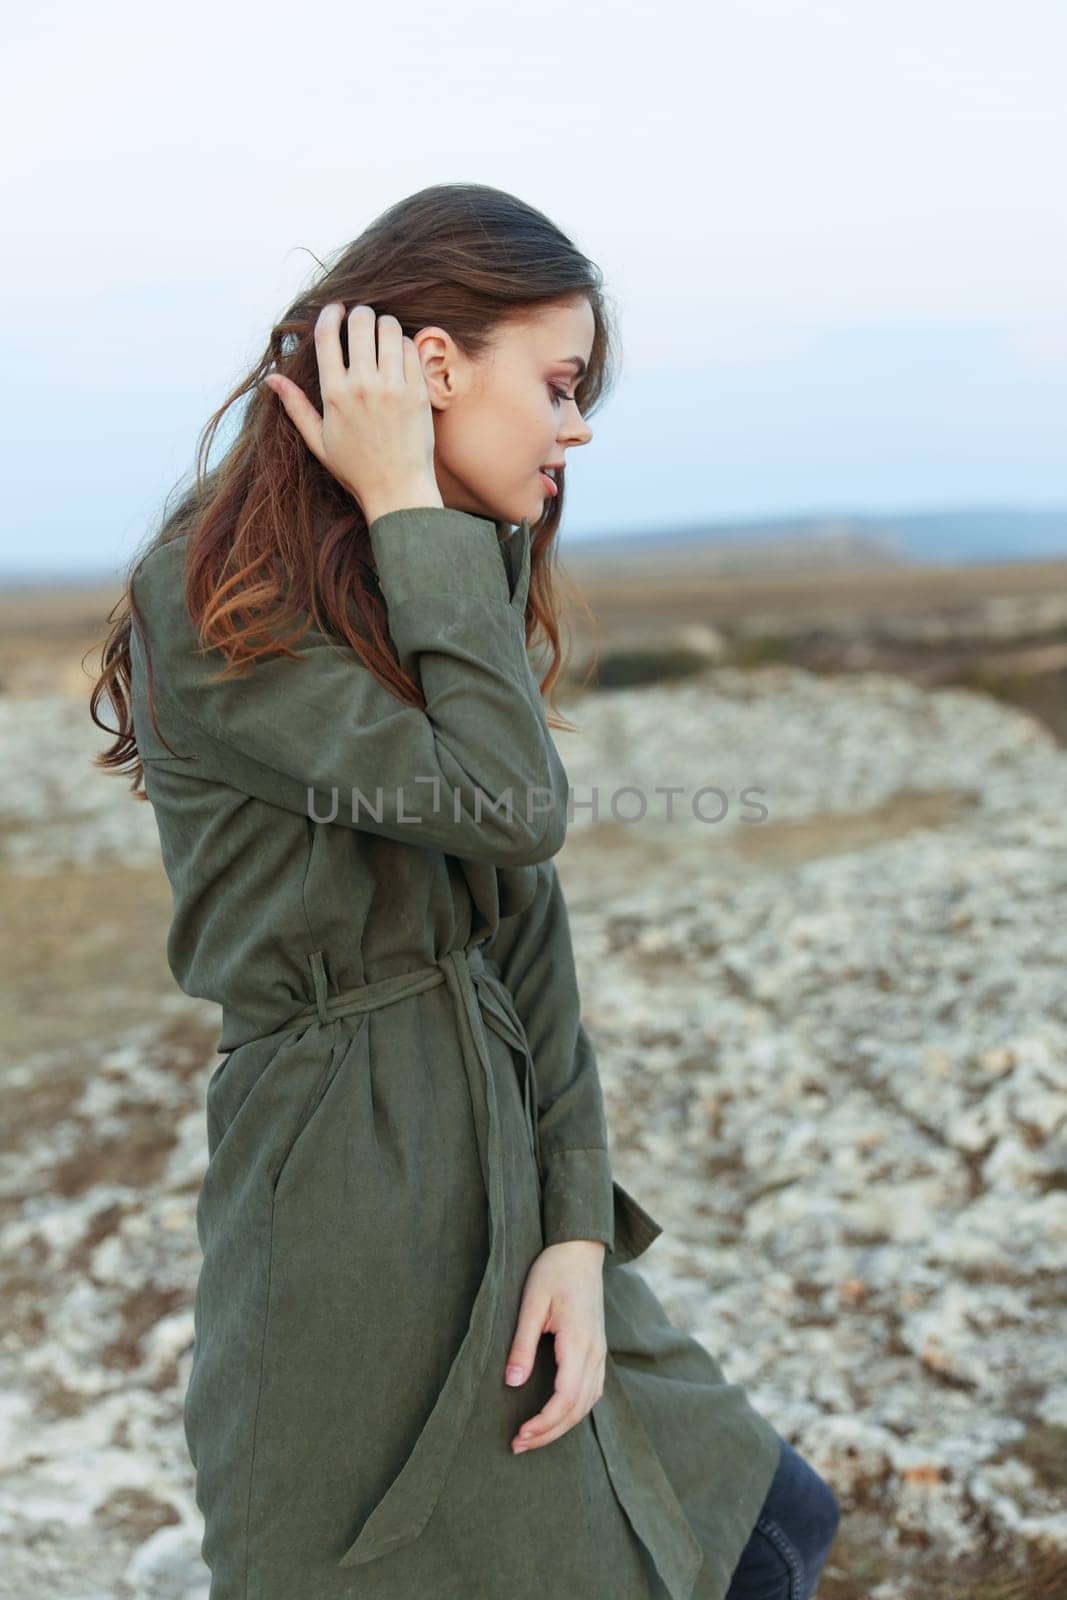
x,y
476,773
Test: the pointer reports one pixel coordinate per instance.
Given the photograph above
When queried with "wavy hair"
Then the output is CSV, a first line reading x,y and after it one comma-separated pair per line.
x,y
275,542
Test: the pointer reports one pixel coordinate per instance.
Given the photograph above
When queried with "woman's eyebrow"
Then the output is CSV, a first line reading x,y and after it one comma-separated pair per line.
x,y
579,364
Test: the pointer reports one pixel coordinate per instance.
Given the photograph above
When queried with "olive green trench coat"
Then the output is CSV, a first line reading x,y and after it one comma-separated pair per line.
x,y
407,1111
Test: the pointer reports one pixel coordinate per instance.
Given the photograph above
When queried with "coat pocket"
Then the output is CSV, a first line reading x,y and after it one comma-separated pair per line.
x,y
635,1228
342,1048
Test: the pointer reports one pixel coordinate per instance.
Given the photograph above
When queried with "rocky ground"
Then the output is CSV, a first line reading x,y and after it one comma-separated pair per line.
x,y
834,1047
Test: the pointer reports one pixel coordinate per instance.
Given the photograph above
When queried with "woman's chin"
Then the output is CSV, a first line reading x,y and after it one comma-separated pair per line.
x,y
529,508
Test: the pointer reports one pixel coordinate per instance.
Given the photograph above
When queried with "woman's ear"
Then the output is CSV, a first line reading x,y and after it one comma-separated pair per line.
x,y
440,359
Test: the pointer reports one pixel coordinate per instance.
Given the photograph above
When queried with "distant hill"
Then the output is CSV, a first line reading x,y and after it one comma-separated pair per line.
x,y
943,538
990,535
758,547
843,539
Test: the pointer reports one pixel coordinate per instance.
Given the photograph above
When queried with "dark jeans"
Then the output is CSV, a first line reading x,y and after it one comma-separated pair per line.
x,y
792,1537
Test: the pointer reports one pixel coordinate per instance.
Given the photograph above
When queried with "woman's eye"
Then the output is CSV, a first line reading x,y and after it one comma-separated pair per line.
x,y
559,394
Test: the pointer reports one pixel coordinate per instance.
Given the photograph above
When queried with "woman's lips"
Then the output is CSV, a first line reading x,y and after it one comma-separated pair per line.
x,y
549,483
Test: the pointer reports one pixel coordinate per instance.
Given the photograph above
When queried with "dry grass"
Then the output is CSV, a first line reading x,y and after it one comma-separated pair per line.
x,y
81,953
680,588
45,633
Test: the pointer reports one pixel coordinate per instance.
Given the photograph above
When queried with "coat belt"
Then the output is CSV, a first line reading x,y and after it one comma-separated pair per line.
x,y
498,1010
637,1476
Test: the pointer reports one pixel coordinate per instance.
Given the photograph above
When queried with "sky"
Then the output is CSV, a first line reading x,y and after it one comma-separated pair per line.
x,y
834,233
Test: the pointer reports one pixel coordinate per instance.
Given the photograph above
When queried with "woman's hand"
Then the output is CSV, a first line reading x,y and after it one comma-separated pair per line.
x,y
376,433
564,1295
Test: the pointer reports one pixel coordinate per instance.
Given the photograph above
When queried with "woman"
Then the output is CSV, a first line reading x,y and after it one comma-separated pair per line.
x,y
423,1365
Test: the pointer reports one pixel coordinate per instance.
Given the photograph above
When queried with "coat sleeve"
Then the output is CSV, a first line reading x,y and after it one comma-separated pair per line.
x,y
476,773
533,953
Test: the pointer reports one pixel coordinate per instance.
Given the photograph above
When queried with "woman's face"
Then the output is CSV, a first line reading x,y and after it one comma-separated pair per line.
x,y
498,420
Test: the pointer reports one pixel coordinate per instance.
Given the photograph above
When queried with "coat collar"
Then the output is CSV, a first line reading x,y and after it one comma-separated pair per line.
x,y
515,550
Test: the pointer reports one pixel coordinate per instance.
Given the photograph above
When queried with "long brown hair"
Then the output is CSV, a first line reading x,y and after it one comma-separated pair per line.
x,y
275,542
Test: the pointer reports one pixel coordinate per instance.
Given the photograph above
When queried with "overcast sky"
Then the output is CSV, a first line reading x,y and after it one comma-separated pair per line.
x,y
835,231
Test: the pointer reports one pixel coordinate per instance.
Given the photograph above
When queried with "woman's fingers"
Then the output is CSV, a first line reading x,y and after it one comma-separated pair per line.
x,y
300,411
376,432
390,349
563,1295
529,1326
413,373
578,1387
362,356
328,351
